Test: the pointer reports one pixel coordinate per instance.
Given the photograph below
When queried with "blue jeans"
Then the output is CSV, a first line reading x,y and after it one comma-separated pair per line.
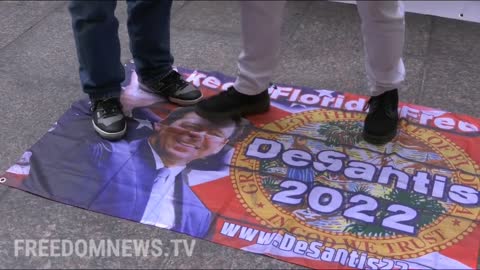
x,y
95,29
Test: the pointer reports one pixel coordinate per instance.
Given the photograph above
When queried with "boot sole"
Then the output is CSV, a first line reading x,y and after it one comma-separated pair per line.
x,y
181,102
379,140
109,135
251,110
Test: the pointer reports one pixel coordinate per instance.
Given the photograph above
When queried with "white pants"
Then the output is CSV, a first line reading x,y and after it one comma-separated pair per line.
x,y
383,29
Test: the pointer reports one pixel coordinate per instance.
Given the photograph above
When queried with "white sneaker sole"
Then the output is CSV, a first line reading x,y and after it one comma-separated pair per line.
x,y
108,135
181,102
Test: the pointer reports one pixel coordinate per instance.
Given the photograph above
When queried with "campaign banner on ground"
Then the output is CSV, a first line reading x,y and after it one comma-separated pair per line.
x,y
297,183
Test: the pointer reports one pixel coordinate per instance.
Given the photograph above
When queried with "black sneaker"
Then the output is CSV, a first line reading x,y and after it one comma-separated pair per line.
x,y
108,119
172,87
233,104
381,122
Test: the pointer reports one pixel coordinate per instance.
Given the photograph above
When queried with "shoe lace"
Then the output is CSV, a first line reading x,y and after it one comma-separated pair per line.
x,y
109,106
178,80
373,103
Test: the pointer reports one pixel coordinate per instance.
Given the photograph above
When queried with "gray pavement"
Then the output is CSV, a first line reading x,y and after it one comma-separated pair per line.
x,y
322,48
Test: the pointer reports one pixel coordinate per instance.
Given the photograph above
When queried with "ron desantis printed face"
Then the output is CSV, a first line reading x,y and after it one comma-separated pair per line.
x,y
189,138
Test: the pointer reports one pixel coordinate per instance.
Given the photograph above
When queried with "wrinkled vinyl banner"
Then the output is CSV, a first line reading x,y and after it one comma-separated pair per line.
x,y
298,183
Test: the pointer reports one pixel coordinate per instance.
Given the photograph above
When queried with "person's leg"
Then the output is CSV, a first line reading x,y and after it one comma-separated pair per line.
x,y
95,30
261,29
149,31
383,28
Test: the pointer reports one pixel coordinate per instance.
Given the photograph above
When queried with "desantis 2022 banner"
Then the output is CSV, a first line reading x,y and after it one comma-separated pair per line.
x,y
298,183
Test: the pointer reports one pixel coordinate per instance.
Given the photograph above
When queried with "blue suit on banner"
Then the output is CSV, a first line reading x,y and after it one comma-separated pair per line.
x,y
129,184
72,166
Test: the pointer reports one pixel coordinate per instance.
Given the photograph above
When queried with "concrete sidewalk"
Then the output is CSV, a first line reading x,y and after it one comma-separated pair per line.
x,y
322,48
